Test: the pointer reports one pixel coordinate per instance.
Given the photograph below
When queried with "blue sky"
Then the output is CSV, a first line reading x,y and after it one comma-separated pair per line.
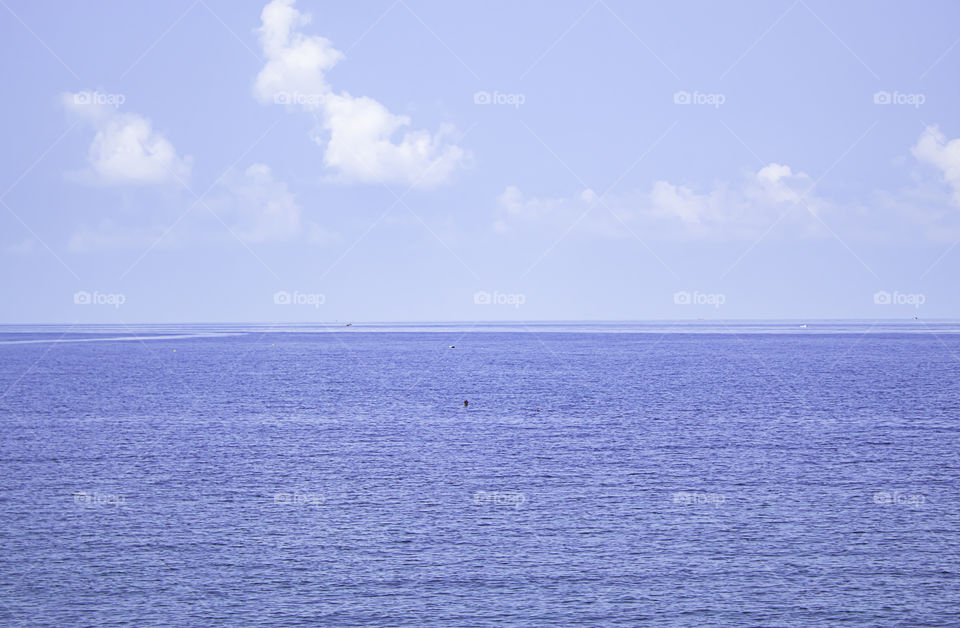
x,y
318,161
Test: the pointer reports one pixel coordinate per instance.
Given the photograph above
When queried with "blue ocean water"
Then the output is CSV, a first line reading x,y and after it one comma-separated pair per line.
x,y
688,474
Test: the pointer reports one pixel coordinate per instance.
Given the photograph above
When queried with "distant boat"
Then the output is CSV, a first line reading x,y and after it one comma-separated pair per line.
x,y
804,326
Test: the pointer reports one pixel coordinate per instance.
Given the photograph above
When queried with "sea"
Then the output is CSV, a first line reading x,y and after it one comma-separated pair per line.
x,y
698,473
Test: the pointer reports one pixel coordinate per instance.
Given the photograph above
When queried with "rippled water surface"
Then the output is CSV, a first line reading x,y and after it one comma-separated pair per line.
x,y
602,474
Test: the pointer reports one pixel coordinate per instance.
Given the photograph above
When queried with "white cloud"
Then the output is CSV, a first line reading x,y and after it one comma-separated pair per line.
x,y
673,210
933,149
364,141
255,206
361,148
517,210
296,63
672,201
777,183
259,208
263,208
762,194
125,150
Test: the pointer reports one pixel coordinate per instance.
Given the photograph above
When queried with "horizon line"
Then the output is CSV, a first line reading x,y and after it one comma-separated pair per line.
x,y
352,322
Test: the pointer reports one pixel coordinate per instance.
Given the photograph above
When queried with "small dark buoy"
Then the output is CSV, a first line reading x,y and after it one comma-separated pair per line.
x,y
465,403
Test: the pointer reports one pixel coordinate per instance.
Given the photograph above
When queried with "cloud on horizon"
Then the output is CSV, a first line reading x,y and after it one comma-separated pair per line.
x,y
741,210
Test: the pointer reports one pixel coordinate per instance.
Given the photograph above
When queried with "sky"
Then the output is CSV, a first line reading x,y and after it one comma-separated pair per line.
x,y
404,160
